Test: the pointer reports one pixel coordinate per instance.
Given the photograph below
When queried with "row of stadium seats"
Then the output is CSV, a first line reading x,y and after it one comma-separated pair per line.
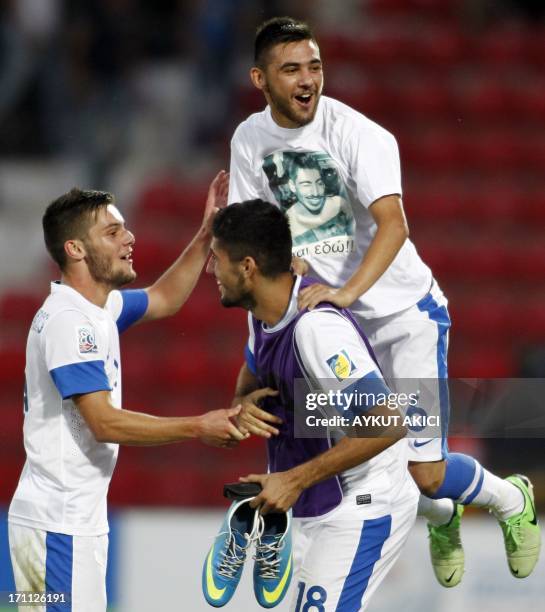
x,y
493,100
443,47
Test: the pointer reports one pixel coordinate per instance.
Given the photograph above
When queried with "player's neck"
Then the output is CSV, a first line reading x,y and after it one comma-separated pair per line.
x,y
282,121
273,299
94,292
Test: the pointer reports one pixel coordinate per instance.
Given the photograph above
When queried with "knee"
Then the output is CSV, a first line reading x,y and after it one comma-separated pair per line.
x,y
428,476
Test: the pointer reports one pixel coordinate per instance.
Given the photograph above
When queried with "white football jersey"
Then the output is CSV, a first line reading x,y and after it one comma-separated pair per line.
x,y
325,176
72,348
332,355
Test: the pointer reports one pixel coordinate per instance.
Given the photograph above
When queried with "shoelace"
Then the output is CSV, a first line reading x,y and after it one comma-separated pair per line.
x,y
514,535
234,555
443,541
267,554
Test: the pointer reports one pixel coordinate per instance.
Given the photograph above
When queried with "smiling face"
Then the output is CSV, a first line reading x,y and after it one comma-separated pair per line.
x,y
292,81
309,188
230,279
108,249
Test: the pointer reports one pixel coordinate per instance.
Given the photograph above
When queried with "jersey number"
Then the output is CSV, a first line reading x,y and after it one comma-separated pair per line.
x,y
315,599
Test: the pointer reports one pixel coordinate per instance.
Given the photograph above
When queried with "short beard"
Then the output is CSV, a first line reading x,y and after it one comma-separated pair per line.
x,y
244,300
101,272
284,108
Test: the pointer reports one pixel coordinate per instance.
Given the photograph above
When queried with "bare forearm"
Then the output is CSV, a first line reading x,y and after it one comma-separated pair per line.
x,y
139,429
173,287
246,383
346,454
383,249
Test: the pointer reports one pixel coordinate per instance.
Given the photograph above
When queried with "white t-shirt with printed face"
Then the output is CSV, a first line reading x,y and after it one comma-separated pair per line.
x,y
359,163
72,348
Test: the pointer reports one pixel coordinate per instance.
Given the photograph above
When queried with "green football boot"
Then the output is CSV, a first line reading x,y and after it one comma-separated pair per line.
x,y
521,532
447,554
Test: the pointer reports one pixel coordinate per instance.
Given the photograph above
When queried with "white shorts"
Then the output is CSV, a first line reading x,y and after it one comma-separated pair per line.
x,y
413,344
58,563
339,561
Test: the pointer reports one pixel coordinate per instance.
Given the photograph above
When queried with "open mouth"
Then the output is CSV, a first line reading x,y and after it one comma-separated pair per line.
x,y
127,258
304,100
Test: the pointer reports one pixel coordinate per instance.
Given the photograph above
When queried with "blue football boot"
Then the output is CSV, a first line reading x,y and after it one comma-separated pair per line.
x,y
273,559
223,565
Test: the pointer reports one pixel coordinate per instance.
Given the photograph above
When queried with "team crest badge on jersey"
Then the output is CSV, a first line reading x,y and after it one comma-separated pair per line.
x,y
39,321
341,365
86,340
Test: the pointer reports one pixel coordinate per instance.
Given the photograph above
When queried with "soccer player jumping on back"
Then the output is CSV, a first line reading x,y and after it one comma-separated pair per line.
x,y
350,230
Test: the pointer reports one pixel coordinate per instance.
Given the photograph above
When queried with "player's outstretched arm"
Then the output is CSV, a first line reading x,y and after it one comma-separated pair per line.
x,y
282,489
168,294
253,419
109,424
392,231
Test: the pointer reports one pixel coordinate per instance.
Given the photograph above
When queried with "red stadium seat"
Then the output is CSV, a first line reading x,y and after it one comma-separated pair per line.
x,y
440,203
502,46
19,306
441,49
434,152
531,311
482,359
486,100
426,98
12,367
485,316
495,152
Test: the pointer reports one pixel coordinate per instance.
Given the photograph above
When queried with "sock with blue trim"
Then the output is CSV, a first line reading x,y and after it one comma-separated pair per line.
x,y
468,483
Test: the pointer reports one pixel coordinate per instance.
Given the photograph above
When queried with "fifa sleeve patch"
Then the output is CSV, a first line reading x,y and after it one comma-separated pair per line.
x,y
341,365
79,378
86,340
135,304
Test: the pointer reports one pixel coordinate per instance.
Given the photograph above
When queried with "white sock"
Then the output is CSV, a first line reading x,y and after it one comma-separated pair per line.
x,y
500,496
437,511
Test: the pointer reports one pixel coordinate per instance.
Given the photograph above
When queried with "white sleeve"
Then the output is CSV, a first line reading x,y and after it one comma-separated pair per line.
x,y
374,163
242,181
74,354
330,348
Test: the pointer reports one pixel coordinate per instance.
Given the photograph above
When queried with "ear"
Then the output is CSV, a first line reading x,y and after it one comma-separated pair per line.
x,y
257,76
74,250
249,267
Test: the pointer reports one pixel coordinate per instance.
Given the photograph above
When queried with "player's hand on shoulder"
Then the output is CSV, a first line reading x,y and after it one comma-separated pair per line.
x,y
311,296
280,490
217,428
216,199
254,420
299,266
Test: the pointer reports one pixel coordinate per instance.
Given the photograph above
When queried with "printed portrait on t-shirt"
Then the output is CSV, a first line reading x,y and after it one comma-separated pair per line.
x,y
308,188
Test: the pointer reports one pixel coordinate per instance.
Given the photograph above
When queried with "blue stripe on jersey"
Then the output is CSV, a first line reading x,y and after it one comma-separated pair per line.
x,y
135,304
7,583
250,360
439,314
83,377
365,389
58,568
373,535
